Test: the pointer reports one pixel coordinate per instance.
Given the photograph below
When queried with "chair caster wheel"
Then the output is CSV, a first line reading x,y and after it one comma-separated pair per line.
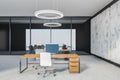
x,y
38,73
33,66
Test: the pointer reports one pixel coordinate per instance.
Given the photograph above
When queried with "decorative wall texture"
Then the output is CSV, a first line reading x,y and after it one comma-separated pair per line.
x,y
105,34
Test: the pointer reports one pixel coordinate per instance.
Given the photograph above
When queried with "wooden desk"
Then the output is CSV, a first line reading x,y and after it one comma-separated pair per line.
x,y
64,50
53,56
71,57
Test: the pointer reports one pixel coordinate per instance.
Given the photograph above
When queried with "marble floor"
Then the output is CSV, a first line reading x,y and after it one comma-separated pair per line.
x,y
91,68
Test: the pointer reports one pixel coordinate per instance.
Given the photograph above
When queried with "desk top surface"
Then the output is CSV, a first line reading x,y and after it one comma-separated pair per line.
x,y
65,50
53,56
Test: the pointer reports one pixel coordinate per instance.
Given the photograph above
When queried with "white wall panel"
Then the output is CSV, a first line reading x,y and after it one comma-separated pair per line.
x,y
115,32
105,34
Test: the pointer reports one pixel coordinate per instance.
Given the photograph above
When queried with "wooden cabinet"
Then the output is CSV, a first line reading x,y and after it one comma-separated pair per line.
x,y
74,65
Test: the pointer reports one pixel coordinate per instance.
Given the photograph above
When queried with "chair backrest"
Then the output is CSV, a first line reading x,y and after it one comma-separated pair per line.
x,y
45,59
38,51
52,48
31,49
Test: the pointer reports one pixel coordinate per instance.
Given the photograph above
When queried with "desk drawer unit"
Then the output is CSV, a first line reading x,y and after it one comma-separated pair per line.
x,y
73,70
74,65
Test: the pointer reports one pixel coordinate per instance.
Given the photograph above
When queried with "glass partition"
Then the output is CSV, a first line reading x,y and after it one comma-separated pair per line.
x,y
42,35
4,34
18,31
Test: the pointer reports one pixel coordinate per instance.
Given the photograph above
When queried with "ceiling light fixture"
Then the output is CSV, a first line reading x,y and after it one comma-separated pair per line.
x,y
52,24
48,13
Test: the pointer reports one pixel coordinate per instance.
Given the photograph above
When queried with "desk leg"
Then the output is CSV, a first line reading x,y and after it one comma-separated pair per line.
x,y
20,66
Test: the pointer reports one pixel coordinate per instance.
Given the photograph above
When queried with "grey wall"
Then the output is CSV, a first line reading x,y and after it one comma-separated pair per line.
x,y
82,36
105,34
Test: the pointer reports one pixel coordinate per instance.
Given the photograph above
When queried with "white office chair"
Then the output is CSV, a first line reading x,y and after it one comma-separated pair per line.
x,y
46,63
38,51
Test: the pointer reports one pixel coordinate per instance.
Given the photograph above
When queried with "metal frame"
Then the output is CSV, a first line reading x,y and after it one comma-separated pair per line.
x,y
20,66
26,66
71,34
30,30
50,35
10,35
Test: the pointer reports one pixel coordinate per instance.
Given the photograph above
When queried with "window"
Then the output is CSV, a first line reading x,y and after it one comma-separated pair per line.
x,y
58,36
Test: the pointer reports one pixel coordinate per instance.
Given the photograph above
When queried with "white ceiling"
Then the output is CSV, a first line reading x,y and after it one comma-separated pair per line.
x,y
68,7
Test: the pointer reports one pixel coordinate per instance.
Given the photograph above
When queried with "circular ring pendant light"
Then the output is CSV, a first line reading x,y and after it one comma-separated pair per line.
x,y
52,24
49,14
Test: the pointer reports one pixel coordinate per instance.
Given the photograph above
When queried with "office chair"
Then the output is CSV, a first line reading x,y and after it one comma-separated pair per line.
x,y
46,63
52,48
38,51
31,49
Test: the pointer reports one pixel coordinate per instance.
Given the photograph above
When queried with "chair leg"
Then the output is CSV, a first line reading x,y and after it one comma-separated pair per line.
x,y
54,73
45,73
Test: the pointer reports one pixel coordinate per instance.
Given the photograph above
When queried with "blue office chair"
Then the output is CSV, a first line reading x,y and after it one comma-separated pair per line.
x,y
52,48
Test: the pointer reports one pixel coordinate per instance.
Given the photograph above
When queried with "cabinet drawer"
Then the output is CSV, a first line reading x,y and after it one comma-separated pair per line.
x,y
74,59
74,69
73,64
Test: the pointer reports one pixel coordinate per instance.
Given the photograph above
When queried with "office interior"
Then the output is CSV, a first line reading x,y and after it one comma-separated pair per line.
x,y
84,47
